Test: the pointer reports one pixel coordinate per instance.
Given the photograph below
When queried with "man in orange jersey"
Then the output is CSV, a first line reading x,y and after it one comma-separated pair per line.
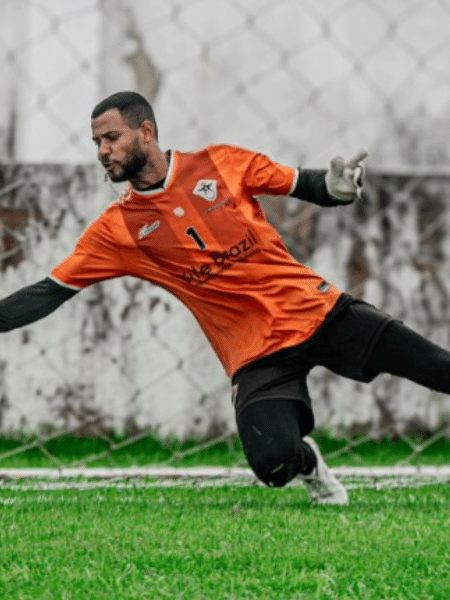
x,y
190,223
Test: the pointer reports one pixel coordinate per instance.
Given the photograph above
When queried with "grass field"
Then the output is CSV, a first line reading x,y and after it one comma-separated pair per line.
x,y
220,543
224,543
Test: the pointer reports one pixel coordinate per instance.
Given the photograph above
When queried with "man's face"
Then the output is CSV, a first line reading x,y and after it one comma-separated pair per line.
x,y
119,147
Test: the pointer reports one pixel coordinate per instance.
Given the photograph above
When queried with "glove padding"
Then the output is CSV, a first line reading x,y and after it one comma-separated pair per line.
x,y
344,178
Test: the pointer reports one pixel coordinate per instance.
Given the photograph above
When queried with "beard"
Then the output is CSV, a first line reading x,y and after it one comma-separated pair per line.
x,y
133,163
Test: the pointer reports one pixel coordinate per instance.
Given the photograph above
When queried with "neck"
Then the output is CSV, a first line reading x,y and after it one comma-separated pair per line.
x,y
154,170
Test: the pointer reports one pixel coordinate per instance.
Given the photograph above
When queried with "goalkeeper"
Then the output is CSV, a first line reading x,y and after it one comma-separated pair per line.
x,y
190,223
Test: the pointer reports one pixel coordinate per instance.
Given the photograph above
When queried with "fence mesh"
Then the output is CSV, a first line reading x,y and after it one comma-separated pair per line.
x,y
297,79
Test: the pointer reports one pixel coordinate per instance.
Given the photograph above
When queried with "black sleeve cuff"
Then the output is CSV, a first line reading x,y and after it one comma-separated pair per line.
x,y
311,187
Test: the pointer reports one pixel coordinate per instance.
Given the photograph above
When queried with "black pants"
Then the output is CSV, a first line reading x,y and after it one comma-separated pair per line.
x,y
271,429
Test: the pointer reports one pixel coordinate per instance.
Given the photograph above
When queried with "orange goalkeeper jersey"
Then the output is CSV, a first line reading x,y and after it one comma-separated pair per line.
x,y
204,238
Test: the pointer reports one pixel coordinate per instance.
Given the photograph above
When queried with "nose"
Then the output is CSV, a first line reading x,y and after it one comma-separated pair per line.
x,y
104,149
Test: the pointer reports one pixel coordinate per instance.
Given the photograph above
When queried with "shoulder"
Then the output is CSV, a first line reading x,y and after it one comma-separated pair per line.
x,y
101,226
229,150
216,150
234,158
231,161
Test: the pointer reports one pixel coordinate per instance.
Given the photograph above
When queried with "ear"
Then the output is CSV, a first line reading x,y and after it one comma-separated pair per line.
x,y
148,131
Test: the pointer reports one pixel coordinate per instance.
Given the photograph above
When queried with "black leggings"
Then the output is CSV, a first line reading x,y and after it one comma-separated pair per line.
x,y
403,352
270,429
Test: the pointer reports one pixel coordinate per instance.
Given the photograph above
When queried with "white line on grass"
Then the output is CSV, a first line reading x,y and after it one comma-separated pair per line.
x,y
162,477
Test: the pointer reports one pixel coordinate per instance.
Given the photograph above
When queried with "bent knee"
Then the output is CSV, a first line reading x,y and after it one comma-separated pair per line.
x,y
274,469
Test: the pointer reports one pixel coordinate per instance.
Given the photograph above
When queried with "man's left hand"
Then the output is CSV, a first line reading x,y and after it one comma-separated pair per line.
x,y
344,178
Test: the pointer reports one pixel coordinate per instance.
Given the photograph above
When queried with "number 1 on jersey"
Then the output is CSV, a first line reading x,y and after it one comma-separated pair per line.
x,y
192,232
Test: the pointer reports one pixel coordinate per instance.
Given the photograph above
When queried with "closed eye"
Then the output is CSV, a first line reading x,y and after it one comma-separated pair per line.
x,y
111,136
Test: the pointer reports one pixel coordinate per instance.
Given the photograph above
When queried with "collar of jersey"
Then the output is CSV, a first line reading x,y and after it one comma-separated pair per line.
x,y
146,194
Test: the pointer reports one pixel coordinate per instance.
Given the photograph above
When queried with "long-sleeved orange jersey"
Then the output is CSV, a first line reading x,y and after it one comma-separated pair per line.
x,y
204,238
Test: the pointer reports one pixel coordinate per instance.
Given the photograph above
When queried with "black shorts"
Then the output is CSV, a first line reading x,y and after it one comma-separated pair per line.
x,y
343,344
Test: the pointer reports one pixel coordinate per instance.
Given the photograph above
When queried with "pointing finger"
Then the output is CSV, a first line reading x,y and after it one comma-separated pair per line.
x,y
356,158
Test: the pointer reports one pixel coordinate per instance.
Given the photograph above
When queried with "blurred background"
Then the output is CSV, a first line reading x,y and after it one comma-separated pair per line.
x,y
299,80
296,78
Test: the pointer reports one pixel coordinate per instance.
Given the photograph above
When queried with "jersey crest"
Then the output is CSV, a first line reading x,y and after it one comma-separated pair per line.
x,y
207,189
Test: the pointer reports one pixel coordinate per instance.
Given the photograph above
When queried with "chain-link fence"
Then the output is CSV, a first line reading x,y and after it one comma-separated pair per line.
x,y
297,79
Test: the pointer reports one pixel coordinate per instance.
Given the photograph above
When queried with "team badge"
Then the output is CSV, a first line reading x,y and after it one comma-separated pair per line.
x,y
207,189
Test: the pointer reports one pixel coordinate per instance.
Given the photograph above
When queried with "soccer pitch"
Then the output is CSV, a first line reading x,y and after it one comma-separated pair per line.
x,y
227,542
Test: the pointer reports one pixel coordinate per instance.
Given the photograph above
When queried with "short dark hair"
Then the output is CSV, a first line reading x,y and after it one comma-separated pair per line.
x,y
133,107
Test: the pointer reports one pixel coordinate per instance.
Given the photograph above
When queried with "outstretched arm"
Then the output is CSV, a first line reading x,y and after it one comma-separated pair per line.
x,y
340,184
32,303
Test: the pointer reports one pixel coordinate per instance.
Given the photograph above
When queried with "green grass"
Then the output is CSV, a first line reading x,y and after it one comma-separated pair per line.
x,y
67,451
224,544
148,450
220,543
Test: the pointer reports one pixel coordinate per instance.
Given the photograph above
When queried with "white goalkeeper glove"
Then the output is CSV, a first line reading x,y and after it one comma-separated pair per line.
x,y
344,178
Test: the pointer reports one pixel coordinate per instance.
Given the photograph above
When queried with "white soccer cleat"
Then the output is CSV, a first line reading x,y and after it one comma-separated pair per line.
x,y
322,485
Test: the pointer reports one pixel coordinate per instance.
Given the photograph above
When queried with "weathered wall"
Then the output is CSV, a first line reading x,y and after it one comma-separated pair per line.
x,y
124,355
